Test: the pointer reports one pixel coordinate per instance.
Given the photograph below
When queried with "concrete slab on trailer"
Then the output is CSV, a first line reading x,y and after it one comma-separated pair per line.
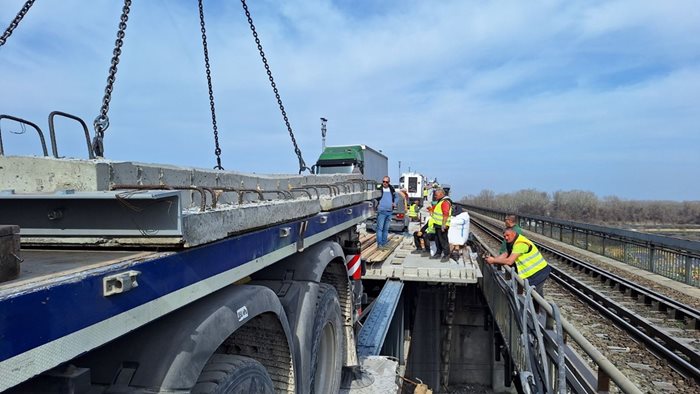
x,y
233,202
47,175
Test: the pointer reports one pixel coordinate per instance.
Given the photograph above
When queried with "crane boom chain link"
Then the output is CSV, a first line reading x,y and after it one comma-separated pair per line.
x,y
217,150
302,164
101,122
15,22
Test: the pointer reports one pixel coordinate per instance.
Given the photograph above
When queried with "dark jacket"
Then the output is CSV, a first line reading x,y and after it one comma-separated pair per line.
x,y
393,195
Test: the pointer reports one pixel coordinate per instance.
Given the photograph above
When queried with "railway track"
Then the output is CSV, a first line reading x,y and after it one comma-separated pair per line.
x,y
657,327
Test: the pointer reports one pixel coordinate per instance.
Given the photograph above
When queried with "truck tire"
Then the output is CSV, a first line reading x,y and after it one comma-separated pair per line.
x,y
233,374
327,350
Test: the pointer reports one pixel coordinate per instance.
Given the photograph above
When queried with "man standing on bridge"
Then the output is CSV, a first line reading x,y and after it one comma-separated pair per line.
x,y
441,222
527,258
384,211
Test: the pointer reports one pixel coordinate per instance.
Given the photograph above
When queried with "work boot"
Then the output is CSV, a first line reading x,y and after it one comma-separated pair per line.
x,y
417,251
437,256
425,254
445,259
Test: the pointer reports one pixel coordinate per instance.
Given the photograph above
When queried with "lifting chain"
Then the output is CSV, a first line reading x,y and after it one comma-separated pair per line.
x,y
15,22
302,164
101,122
217,150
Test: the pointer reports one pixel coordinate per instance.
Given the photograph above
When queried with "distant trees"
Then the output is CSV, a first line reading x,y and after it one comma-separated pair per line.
x,y
575,205
585,206
531,200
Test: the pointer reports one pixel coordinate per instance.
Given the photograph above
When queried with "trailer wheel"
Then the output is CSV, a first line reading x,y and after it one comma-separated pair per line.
x,y
233,374
327,350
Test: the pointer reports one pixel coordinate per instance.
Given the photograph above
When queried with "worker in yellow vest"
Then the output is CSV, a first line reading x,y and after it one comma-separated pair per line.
x,y
527,259
427,234
413,211
441,217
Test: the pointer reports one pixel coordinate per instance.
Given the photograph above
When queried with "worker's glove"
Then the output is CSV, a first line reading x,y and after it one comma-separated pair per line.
x,y
444,228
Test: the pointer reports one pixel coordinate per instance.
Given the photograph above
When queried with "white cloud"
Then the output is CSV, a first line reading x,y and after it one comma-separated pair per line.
x,y
449,88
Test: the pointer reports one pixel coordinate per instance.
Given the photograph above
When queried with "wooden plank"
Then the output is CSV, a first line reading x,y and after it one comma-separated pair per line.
x,y
369,251
394,241
368,241
364,238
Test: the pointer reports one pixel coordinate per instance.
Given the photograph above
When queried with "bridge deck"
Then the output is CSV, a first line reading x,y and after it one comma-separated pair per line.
x,y
403,265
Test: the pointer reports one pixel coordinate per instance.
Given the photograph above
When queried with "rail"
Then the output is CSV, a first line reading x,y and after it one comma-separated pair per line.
x,y
673,258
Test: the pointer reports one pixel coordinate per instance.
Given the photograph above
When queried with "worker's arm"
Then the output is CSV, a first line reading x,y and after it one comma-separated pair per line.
x,y
422,230
503,259
445,215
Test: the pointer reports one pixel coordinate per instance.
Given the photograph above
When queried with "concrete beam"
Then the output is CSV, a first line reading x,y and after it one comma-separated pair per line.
x,y
31,177
203,227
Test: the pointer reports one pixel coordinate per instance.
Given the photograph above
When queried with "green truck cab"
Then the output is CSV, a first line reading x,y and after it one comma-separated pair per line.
x,y
353,159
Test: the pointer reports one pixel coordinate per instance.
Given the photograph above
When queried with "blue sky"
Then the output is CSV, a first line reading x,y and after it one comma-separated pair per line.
x,y
552,95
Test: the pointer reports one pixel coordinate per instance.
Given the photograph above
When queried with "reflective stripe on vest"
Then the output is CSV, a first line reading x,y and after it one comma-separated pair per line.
x,y
437,212
531,262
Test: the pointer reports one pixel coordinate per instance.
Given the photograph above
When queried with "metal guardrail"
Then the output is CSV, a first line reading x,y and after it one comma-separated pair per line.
x,y
540,364
673,258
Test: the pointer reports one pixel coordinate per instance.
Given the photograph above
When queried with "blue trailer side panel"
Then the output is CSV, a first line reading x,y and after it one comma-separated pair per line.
x,y
71,315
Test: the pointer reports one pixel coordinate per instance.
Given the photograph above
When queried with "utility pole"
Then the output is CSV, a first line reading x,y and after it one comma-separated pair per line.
x,y
323,134
399,168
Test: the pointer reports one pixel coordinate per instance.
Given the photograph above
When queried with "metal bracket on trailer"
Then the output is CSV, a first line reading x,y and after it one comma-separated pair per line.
x,y
93,214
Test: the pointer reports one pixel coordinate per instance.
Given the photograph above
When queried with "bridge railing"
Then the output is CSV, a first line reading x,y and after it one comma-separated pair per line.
x,y
536,348
673,258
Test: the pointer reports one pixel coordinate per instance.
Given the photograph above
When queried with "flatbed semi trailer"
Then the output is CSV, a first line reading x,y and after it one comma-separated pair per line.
x,y
146,278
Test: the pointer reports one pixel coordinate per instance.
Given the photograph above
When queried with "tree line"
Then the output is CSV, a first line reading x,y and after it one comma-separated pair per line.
x,y
585,206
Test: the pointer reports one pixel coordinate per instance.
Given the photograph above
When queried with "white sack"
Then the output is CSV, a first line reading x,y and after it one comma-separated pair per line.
x,y
458,232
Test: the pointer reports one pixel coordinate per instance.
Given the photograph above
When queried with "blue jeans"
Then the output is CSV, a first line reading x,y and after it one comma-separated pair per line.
x,y
383,218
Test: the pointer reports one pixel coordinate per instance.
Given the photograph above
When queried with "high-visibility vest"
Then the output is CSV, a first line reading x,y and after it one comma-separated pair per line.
x,y
413,212
531,262
425,193
437,212
430,229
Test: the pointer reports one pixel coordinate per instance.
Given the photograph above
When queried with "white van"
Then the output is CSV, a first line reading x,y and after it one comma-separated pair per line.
x,y
413,182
